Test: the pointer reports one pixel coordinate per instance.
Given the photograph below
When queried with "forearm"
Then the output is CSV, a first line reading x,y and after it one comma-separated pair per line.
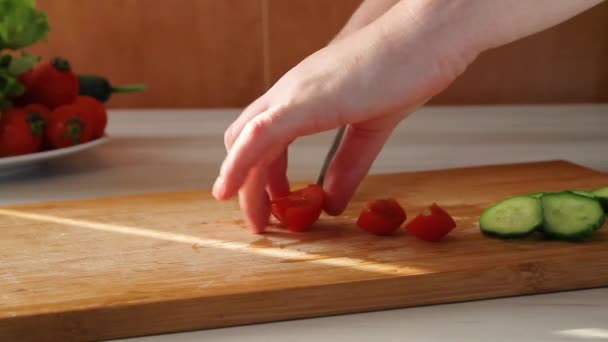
x,y
489,23
459,30
534,16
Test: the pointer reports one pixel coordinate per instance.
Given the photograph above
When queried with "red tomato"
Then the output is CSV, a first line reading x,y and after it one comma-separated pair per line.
x,y
300,209
39,109
432,224
52,84
45,113
69,126
98,113
27,81
382,217
20,132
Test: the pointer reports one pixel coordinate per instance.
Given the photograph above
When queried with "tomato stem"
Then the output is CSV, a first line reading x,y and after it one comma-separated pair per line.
x,y
36,123
74,128
61,64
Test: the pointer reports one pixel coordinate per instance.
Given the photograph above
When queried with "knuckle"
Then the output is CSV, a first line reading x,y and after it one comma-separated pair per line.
x,y
229,137
258,127
267,125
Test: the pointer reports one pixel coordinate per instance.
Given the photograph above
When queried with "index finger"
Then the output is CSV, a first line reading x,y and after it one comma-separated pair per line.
x,y
262,140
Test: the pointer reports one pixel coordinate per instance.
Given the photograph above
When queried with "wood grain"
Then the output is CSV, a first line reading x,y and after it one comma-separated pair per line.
x,y
146,264
210,53
298,28
190,53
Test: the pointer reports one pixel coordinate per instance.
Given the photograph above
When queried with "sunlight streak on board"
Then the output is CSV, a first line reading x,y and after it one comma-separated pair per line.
x,y
585,333
280,253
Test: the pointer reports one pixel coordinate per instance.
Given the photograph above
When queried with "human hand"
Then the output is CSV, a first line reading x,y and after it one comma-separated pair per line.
x,y
369,81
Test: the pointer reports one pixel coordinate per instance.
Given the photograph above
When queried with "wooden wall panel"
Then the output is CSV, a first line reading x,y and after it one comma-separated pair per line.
x,y
190,53
297,28
224,53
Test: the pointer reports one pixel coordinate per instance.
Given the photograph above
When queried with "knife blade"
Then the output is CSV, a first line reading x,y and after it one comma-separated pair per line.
x,y
330,154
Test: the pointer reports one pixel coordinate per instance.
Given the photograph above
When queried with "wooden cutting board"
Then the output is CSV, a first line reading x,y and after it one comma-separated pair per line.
x,y
117,267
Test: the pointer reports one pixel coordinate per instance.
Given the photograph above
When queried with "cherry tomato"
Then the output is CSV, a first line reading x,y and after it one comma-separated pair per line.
x,y
52,84
39,109
300,209
45,113
432,224
69,125
20,132
33,111
382,217
98,113
27,81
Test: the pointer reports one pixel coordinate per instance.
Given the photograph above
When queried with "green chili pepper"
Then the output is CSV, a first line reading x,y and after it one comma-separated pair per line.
x,y
101,89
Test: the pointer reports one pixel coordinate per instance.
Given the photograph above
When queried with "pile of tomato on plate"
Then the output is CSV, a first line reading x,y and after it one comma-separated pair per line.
x,y
51,113
299,210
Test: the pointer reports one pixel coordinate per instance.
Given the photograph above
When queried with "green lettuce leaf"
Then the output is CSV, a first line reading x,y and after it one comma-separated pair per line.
x,y
9,87
11,67
20,65
21,24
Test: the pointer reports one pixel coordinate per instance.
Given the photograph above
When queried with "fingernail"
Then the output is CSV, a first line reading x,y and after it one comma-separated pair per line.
x,y
219,188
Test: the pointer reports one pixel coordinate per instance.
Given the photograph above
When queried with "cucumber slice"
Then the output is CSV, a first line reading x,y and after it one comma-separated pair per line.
x,y
578,192
514,217
570,216
602,195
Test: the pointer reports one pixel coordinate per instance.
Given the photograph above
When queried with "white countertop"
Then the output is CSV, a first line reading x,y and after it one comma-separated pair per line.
x,y
164,150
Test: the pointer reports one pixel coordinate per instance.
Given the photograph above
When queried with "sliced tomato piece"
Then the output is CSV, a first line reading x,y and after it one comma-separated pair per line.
x,y
432,224
381,217
300,209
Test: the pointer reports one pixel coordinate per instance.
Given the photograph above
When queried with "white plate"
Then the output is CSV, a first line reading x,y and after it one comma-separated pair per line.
x,y
19,164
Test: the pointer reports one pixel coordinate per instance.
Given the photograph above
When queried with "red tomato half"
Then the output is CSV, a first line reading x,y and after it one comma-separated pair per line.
x,y
432,224
382,217
300,209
